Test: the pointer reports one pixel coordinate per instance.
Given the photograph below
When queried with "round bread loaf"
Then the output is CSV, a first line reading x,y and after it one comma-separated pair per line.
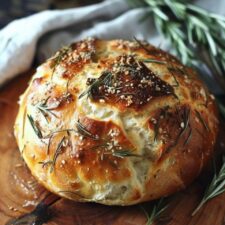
x,y
115,122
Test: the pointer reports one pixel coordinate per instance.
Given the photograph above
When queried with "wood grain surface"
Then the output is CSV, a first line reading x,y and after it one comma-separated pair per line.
x,y
20,193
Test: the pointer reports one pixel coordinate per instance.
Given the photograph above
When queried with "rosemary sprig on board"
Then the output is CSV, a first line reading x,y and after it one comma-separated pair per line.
x,y
34,126
215,188
191,31
155,212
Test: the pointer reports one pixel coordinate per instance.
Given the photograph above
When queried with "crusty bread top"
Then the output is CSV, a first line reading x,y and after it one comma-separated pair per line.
x,y
115,122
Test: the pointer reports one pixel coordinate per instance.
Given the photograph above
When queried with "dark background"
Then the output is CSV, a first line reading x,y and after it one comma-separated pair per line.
x,y
13,9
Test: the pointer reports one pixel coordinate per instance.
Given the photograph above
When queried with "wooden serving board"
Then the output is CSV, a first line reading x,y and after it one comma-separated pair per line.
x,y
20,193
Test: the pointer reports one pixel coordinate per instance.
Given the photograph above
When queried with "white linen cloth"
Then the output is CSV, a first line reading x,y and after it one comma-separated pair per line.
x,y
41,34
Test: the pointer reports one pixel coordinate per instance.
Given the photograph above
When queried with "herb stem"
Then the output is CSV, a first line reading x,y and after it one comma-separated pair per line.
x,y
153,61
214,188
35,127
155,212
198,208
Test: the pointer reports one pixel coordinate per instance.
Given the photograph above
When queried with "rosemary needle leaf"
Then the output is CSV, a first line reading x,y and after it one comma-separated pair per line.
x,y
202,120
153,61
60,55
124,153
84,93
44,108
56,154
58,150
83,131
155,212
35,127
104,79
215,188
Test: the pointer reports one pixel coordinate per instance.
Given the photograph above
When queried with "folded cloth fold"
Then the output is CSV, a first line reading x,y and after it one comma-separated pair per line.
x,y
41,34
18,40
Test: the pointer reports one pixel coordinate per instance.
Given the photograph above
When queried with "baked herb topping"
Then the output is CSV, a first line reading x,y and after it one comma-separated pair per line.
x,y
102,147
45,109
172,69
198,114
83,131
109,148
59,57
184,123
188,137
157,122
103,80
153,61
177,70
50,136
129,82
124,153
58,151
35,126
142,46
170,125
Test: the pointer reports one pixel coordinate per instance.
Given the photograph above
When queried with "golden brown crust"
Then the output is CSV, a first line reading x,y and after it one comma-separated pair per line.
x,y
115,122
